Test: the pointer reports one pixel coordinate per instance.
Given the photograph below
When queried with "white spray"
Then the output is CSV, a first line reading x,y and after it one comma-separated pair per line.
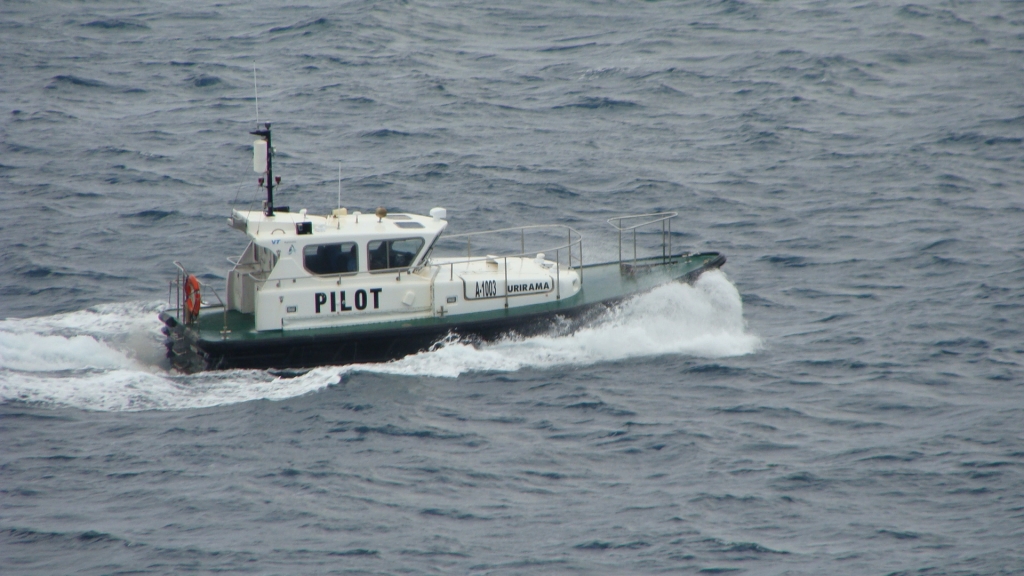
x,y
105,358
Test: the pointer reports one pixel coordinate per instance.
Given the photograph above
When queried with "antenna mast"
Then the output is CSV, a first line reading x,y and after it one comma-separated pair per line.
x,y
268,209
256,90
263,165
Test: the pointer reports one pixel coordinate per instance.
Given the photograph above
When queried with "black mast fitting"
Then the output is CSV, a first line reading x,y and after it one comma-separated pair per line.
x,y
265,134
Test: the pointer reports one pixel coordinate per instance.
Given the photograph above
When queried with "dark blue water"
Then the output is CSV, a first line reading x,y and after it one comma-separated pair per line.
x,y
847,399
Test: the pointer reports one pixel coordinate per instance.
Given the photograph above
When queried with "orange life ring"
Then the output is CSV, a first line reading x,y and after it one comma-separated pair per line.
x,y
192,298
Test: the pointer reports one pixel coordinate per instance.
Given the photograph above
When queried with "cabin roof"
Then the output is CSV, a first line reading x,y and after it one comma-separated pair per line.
x,y
332,228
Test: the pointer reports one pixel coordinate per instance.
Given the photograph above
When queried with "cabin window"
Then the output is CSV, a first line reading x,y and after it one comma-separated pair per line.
x,y
390,254
331,258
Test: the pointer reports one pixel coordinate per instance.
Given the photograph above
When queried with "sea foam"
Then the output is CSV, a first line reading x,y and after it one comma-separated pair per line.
x,y
107,357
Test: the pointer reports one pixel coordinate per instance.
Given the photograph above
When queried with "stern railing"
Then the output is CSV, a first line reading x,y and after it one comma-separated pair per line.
x,y
177,287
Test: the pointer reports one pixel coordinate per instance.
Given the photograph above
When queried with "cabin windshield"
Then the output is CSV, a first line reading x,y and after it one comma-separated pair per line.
x,y
341,258
429,250
391,254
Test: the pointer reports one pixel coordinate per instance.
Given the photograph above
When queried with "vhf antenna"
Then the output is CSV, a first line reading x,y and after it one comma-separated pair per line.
x,y
257,91
265,164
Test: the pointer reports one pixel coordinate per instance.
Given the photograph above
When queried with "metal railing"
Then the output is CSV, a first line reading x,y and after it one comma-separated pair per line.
x,y
573,261
178,287
665,218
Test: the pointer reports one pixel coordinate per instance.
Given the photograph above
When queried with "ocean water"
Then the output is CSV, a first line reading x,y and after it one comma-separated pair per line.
x,y
845,397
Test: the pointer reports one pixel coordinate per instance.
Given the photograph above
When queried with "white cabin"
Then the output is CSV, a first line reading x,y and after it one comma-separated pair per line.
x,y
302,271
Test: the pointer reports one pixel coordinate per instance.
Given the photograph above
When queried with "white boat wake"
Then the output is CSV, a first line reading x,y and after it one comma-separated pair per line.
x,y
108,357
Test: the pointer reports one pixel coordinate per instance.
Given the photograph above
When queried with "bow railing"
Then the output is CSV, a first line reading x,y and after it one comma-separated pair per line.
x,y
628,223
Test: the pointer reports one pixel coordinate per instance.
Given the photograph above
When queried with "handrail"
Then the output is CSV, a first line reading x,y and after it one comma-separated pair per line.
x,y
224,329
179,282
578,242
410,269
497,230
665,218
662,216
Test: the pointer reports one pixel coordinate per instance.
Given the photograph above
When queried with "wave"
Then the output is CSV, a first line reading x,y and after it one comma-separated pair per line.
x,y
593,103
108,357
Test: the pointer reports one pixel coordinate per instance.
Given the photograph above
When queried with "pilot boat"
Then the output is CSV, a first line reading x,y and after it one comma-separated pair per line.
x,y
312,290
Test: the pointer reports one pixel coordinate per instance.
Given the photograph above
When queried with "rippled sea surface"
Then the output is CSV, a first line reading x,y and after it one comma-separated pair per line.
x,y
847,397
